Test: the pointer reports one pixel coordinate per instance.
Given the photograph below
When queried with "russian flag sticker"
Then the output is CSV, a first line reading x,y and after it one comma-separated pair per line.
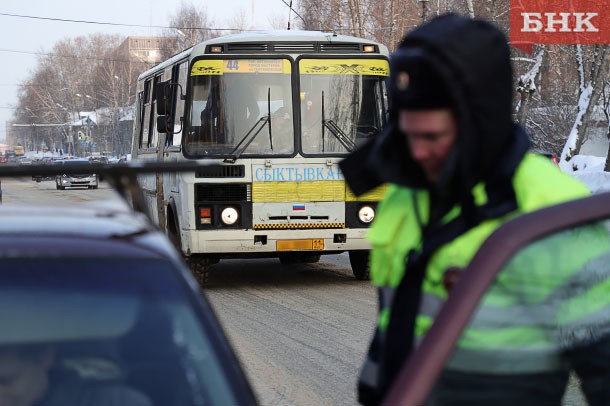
x,y
296,207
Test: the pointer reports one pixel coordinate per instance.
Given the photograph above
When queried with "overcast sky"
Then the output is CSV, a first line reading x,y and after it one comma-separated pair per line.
x,y
23,37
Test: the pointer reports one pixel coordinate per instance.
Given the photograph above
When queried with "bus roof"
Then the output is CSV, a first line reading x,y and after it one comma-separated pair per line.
x,y
270,36
287,35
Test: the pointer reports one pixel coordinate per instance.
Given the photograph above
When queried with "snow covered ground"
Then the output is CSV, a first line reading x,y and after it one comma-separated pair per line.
x,y
589,166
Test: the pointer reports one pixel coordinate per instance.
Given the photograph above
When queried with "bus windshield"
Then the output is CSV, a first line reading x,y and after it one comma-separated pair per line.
x,y
240,107
343,103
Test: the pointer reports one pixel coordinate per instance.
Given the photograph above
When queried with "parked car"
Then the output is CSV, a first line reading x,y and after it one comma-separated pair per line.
x,y
86,179
99,159
99,303
41,162
24,160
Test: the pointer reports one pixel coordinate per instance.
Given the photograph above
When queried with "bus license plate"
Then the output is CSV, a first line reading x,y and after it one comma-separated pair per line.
x,y
314,244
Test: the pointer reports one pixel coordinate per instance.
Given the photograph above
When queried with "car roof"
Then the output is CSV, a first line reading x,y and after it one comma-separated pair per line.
x,y
81,231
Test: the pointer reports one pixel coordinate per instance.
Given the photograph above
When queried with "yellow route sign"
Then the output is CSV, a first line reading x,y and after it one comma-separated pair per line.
x,y
207,67
368,67
221,67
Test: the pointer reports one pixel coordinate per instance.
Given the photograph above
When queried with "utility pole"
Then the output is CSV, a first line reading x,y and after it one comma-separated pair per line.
x,y
424,10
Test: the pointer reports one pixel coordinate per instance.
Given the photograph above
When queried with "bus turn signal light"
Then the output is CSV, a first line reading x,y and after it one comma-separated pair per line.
x,y
205,215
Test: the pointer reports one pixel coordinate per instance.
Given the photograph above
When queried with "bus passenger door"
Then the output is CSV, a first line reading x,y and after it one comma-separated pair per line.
x,y
159,183
170,139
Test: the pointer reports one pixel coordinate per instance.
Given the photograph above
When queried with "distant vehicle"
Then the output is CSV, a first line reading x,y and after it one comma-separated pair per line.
x,y
3,159
19,150
106,301
546,154
98,159
69,179
45,161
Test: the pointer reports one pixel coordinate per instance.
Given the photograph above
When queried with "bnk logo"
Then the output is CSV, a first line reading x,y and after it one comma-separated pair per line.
x,y
559,22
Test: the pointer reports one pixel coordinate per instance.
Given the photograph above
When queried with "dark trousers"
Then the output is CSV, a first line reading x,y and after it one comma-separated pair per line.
x,y
592,365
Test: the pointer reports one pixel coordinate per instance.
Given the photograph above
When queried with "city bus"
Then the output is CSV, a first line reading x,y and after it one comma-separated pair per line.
x,y
268,115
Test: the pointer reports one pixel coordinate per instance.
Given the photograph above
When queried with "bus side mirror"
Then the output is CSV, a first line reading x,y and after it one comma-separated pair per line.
x,y
164,124
163,97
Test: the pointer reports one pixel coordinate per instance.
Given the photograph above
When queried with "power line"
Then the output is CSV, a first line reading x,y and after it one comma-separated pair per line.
x,y
65,20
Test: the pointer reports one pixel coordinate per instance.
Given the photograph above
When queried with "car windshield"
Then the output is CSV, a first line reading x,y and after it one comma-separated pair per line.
x,y
108,323
240,107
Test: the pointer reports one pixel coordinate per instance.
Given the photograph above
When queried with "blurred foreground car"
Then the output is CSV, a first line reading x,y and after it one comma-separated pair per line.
x,y
97,302
573,321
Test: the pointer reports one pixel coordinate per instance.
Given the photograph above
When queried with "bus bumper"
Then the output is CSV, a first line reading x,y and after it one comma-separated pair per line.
x,y
273,241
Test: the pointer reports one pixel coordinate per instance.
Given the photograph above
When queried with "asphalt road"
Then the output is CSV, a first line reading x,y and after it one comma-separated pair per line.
x,y
300,331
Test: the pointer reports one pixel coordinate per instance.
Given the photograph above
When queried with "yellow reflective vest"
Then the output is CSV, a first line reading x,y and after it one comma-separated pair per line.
x,y
537,183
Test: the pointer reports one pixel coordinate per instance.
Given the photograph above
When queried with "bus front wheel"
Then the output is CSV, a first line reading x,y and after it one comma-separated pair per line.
x,y
359,260
199,268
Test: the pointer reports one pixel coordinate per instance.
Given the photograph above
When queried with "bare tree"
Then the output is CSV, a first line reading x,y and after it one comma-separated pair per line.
x,y
239,22
191,25
66,82
527,86
589,90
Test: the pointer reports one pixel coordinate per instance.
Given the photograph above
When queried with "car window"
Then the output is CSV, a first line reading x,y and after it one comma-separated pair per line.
x,y
545,309
116,326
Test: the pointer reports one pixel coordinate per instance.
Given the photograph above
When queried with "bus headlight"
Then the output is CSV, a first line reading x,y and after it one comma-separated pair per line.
x,y
229,216
366,214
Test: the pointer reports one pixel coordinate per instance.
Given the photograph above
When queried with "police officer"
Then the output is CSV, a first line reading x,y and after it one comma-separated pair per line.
x,y
457,167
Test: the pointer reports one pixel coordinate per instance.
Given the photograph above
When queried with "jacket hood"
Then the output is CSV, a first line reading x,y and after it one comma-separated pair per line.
x,y
472,59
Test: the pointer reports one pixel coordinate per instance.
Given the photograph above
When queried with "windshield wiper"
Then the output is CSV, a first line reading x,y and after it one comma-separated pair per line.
x,y
253,133
334,129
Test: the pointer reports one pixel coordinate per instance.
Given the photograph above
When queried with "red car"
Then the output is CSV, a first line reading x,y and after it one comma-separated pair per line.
x,y
547,154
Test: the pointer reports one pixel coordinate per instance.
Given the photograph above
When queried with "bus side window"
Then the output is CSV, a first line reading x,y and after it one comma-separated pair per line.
x,y
153,133
179,76
145,127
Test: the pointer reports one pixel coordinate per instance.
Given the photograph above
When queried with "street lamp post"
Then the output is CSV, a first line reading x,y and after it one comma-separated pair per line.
x,y
181,38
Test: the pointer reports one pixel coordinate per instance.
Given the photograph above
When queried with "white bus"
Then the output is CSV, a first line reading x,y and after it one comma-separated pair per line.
x,y
271,114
